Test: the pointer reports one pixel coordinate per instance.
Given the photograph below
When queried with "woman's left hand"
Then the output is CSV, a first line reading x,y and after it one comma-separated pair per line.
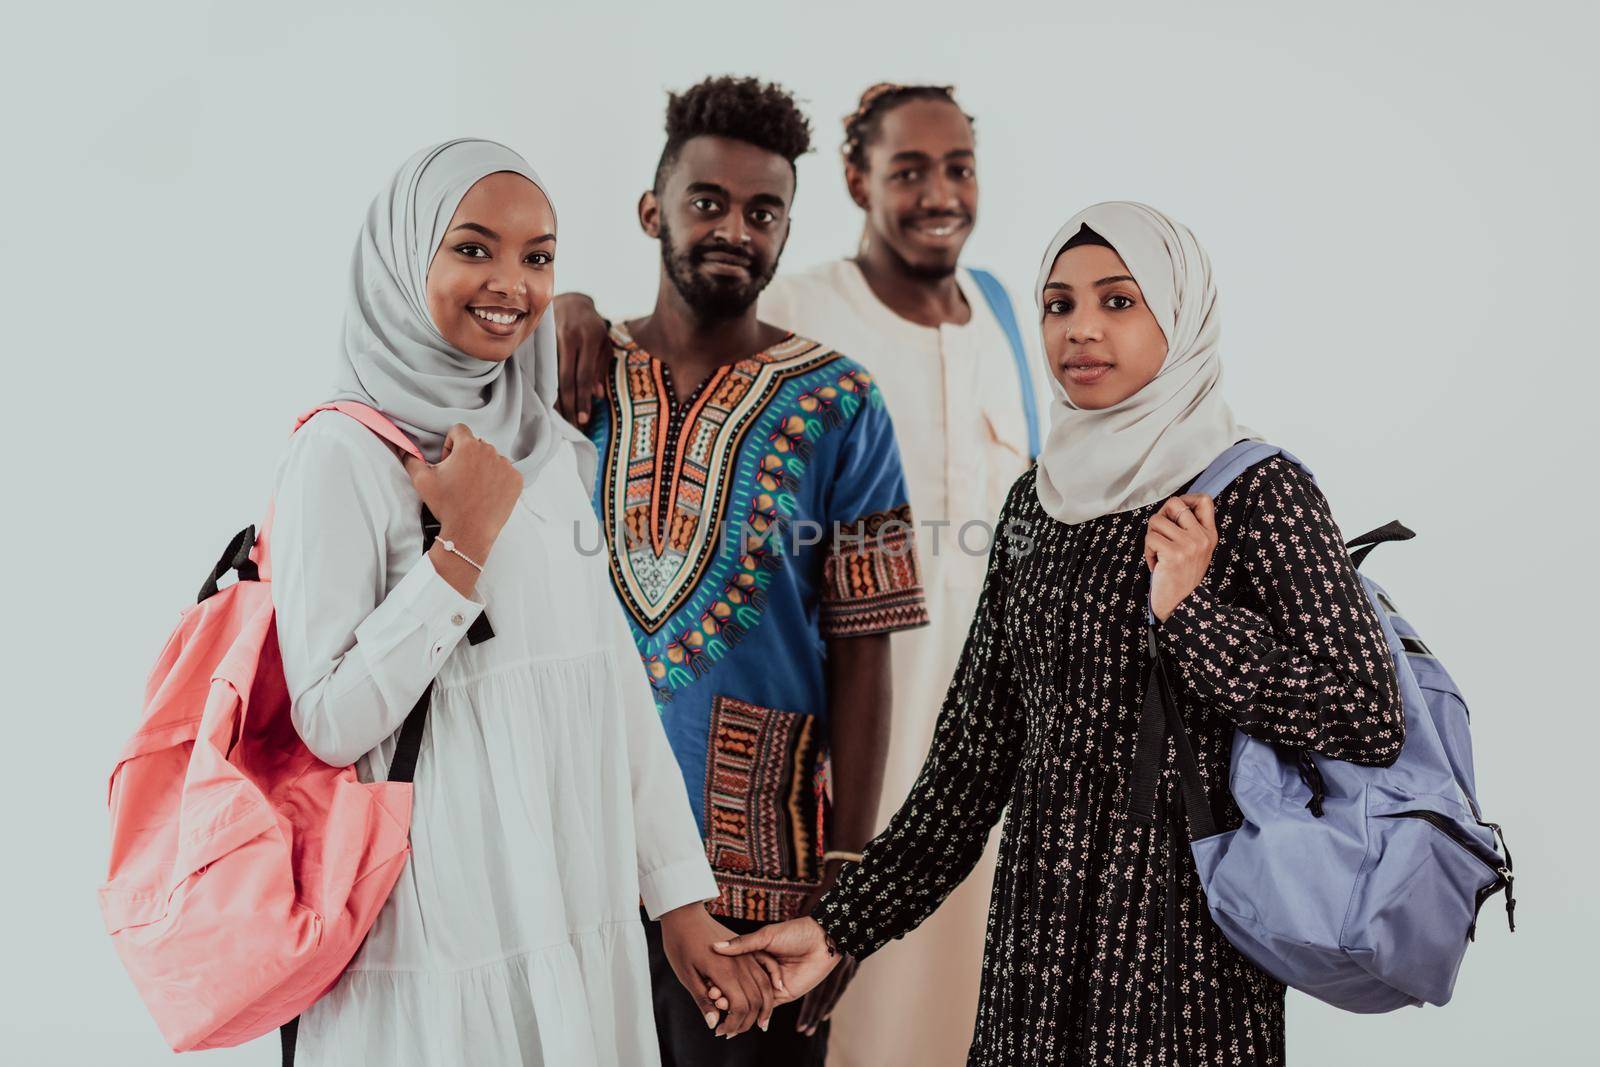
x,y
1177,549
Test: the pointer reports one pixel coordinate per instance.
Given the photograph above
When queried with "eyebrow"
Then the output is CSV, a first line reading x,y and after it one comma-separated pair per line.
x,y
475,228
1097,285
491,235
918,157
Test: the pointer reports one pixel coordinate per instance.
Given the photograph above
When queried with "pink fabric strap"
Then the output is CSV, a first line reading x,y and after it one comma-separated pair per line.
x,y
369,417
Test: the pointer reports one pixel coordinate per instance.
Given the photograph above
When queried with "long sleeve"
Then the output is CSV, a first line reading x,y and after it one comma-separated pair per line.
x,y
673,869
1281,637
356,655
937,836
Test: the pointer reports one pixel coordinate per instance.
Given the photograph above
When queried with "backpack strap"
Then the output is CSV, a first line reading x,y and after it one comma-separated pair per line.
x,y
1394,530
1160,715
999,301
403,767
369,417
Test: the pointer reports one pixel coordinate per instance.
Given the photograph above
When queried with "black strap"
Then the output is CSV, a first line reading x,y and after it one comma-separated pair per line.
x,y
480,630
288,1033
401,769
236,557
1159,717
1389,531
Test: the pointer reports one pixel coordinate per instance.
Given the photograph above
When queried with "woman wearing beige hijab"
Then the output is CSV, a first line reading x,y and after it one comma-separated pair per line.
x,y
1100,948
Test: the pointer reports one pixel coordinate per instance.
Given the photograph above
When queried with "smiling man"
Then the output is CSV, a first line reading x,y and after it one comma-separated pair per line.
x,y
943,344
760,540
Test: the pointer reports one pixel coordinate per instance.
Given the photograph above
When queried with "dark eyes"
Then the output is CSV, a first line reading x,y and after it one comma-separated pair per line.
x,y
1115,302
472,250
916,174
761,216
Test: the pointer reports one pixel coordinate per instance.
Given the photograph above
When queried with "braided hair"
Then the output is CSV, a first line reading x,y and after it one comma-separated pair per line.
x,y
861,126
743,109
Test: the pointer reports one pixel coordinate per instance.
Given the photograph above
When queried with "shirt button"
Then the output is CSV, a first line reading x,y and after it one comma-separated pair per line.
x,y
457,619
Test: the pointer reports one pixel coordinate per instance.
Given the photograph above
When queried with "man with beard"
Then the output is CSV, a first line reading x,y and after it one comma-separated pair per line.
x,y
760,541
940,340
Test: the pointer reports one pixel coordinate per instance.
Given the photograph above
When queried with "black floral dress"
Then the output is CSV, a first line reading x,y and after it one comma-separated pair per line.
x,y
1041,719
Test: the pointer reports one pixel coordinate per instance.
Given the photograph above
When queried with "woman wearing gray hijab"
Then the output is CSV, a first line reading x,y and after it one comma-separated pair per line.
x,y
1100,948
547,803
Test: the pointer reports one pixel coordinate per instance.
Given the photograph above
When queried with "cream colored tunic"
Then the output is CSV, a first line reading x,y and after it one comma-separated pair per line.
x,y
956,401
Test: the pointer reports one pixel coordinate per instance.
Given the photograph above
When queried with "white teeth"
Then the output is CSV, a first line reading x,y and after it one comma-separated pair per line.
x,y
496,317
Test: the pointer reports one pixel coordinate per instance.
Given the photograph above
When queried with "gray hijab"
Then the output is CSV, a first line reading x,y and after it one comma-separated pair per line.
x,y
394,357
1147,447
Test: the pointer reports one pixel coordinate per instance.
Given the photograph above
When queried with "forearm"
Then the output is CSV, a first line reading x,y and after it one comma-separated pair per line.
x,y
859,700
461,574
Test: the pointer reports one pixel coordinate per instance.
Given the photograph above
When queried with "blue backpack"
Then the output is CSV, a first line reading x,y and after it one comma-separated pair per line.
x,y
1358,885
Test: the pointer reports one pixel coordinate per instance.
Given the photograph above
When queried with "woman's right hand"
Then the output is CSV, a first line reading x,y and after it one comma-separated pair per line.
x,y
799,948
471,491
583,351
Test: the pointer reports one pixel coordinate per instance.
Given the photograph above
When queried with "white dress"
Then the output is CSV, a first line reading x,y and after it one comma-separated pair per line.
x,y
547,802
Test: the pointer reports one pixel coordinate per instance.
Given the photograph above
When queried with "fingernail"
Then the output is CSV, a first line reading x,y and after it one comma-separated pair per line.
x,y
719,944
711,1020
765,1025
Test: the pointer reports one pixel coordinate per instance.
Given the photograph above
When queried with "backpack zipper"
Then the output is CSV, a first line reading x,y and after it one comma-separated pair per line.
x,y
1504,876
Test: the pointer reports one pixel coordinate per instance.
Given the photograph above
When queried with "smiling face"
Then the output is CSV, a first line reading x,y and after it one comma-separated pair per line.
x,y
920,185
722,217
1103,342
493,275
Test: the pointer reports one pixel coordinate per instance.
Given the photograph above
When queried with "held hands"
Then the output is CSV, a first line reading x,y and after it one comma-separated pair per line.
x,y
798,949
583,347
1178,548
740,988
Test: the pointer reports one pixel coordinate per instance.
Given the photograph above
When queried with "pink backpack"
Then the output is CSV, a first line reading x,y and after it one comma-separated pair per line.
x,y
244,871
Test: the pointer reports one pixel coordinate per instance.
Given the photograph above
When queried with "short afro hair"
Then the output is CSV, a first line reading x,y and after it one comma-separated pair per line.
x,y
745,109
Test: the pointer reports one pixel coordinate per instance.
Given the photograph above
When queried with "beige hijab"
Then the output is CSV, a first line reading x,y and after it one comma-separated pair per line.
x,y
1142,450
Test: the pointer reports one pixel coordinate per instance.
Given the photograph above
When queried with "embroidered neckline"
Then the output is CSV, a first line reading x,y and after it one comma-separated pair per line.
x,y
667,489
681,416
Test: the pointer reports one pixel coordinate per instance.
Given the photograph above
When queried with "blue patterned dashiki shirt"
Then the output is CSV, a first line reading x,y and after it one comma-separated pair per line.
x,y
744,526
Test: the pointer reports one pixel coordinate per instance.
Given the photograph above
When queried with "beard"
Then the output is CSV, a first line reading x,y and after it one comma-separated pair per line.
x,y
717,296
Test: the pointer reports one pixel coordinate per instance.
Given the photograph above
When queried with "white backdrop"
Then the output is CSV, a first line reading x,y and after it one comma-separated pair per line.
x,y
1399,200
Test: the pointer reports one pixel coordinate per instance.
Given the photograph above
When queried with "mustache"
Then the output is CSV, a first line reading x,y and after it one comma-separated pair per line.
x,y
698,253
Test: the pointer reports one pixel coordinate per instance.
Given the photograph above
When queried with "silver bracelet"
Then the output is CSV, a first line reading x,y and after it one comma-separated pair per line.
x,y
450,547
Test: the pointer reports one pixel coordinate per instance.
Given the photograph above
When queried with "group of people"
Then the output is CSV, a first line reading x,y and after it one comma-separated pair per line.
x,y
766,666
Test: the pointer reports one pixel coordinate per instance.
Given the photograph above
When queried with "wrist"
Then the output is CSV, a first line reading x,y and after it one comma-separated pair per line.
x,y
686,914
474,544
